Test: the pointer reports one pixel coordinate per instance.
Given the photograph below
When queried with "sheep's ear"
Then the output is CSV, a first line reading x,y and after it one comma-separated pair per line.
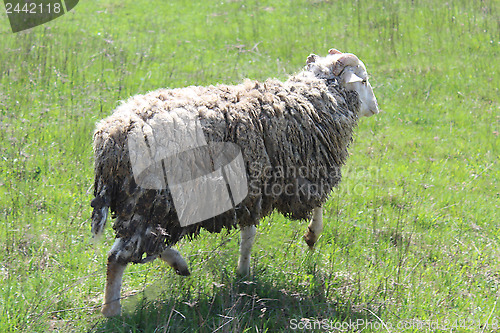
x,y
334,51
312,58
350,77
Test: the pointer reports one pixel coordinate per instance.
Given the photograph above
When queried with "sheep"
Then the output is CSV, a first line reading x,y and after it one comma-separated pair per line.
x,y
291,139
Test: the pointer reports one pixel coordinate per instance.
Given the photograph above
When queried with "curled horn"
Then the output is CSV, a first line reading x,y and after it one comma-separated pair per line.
x,y
346,59
334,51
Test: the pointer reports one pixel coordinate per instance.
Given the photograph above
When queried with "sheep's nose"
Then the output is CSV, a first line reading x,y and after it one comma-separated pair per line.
x,y
371,111
375,108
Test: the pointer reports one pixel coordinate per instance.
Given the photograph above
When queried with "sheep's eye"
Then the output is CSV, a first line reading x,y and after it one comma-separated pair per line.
x,y
364,81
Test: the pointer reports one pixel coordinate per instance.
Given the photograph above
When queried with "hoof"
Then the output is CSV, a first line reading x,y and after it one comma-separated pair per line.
x,y
174,259
183,271
243,271
112,309
310,238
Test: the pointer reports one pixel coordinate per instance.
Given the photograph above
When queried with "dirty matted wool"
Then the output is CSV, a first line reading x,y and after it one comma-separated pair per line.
x,y
293,137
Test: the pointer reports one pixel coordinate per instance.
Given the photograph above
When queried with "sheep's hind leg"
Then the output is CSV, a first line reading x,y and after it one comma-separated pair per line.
x,y
174,259
111,305
315,227
247,239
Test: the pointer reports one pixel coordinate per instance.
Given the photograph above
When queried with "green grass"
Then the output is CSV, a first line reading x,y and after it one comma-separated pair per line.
x,y
412,233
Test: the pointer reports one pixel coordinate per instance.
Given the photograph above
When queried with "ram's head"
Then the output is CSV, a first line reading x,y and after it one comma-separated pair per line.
x,y
352,74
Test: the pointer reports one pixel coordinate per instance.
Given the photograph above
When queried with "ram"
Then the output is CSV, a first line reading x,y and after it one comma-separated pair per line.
x,y
281,144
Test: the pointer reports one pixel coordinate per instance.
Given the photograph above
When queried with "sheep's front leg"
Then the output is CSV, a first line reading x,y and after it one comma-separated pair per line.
x,y
315,227
111,306
174,259
247,239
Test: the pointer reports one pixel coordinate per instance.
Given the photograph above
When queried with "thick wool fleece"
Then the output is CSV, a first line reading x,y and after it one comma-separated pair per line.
x,y
293,137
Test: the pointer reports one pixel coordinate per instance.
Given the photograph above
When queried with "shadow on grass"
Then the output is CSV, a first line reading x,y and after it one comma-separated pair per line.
x,y
256,304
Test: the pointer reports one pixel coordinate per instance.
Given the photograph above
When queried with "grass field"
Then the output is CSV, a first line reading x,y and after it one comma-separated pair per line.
x,y
412,238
